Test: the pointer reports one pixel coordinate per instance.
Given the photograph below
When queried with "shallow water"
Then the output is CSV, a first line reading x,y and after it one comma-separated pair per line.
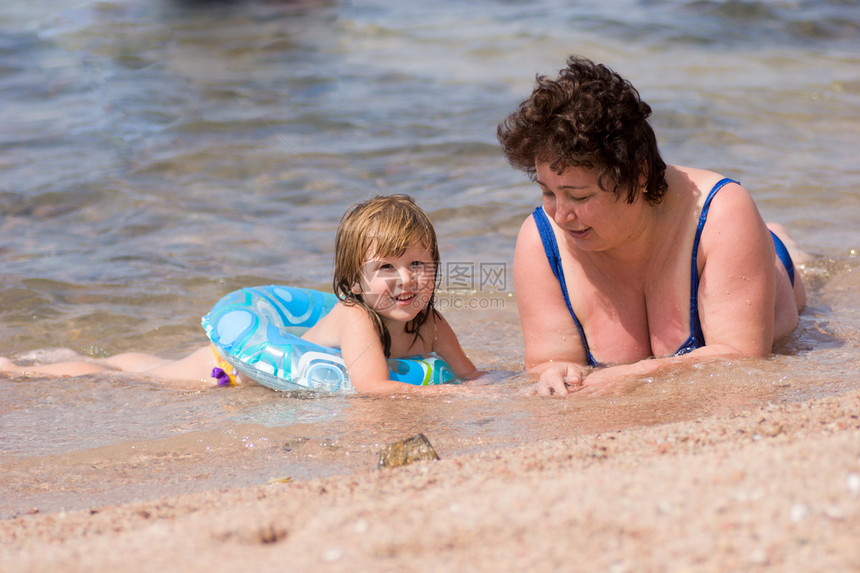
x,y
157,155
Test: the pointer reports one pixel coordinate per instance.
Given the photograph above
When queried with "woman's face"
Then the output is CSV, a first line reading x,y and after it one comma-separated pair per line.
x,y
593,219
398,288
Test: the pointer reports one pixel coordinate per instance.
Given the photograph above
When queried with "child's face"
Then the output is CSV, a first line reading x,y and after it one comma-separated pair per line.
x,y
398,288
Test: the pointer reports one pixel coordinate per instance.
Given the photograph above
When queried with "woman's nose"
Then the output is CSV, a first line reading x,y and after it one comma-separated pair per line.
x,y
564,212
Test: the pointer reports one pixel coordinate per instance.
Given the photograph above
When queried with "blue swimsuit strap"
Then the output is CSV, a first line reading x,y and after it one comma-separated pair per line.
x,y
550,247
697,337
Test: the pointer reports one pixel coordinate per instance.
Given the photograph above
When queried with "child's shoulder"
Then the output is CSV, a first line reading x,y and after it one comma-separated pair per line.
x,y
349,316
347,310
329,330
341,312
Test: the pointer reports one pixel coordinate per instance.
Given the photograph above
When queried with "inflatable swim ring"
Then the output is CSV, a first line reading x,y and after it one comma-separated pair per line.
x,y
258,330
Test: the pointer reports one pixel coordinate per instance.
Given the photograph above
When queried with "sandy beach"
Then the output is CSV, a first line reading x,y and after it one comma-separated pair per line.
x,y
770,488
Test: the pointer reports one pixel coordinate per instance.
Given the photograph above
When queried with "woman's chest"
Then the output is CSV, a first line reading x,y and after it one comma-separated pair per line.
x,y
630,316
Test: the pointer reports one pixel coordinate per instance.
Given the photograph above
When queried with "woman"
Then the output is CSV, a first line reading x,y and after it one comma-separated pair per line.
x,y
629,259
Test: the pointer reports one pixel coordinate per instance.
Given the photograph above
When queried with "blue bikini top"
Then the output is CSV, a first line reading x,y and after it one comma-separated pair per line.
x,y
696,338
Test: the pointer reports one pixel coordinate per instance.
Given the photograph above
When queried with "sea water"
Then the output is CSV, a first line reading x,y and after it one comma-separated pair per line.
x,y
158,154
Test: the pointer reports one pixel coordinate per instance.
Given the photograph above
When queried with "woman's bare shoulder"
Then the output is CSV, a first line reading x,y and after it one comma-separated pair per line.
x,y
528,231
530,262
692,178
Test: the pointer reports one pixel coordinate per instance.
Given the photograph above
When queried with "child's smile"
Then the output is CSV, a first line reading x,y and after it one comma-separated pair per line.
x,y
399,287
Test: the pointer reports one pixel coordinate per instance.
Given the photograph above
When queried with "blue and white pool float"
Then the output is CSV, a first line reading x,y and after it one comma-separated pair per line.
x,y
258,330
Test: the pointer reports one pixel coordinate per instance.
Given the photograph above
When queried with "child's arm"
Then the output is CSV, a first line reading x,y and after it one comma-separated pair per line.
x,y
448,347
363,353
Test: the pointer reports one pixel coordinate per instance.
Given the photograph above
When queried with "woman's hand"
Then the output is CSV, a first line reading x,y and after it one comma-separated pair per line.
x,y
559,378
614,380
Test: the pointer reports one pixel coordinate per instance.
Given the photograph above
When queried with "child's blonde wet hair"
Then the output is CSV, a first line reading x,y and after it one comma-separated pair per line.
x,y
385,226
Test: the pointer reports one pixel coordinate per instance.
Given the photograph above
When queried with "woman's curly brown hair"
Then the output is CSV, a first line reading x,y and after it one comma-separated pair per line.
x,y
588,117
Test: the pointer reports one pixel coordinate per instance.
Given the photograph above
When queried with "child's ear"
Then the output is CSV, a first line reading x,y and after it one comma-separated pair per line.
x,y
356,288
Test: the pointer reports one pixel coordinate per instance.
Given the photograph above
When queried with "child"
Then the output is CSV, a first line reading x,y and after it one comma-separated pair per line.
x,y
385,274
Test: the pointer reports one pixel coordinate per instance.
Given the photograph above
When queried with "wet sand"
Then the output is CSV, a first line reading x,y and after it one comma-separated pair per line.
x,y
776,487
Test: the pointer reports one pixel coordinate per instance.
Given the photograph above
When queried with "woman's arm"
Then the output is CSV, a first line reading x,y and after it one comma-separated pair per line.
x,y
615,379
553,346
549,333
737,286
